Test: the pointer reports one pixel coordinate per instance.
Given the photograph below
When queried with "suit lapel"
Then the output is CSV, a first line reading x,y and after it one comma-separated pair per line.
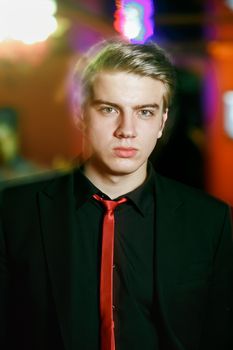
x,y
169,232
57,211
169,238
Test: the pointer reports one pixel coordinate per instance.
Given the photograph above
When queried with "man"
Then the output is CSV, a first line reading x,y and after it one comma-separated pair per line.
x,y
172,268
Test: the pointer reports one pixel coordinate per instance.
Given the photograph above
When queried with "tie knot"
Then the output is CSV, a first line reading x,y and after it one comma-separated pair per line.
x,y
109,204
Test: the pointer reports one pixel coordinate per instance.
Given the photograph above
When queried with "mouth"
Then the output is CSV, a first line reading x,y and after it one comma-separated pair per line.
x,y
125,152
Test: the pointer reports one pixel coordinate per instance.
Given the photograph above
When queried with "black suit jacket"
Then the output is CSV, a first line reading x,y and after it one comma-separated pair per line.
x,y
40,300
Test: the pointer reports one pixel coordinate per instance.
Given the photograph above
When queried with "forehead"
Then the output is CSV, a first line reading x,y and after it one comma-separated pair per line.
x,y
127,88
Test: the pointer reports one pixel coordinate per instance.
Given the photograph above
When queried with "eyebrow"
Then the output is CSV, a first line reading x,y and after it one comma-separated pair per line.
x,y
103,102
99,102
150,105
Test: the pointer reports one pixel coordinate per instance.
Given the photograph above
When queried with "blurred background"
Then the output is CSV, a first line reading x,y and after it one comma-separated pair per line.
x,y
40,40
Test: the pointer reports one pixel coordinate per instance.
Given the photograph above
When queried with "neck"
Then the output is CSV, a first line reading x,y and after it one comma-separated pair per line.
x,y
114,185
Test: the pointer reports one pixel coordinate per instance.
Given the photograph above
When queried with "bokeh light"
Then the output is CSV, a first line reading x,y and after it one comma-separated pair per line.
x,y
29,21
228,112
229,3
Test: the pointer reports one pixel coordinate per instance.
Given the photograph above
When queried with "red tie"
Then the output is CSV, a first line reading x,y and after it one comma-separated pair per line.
x,y
106,275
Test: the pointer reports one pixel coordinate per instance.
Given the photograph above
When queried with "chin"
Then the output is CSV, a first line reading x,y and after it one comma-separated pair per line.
x,y
124,167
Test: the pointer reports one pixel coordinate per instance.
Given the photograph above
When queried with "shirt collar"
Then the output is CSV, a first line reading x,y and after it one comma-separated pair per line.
x,y
141,197
84,189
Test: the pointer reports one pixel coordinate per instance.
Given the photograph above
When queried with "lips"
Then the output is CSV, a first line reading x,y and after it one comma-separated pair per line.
x,y
125,152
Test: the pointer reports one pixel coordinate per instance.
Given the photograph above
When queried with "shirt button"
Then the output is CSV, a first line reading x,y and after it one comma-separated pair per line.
x,y
113,266
114,307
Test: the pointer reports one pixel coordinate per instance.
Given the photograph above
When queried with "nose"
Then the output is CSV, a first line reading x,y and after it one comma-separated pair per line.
x,y
126,127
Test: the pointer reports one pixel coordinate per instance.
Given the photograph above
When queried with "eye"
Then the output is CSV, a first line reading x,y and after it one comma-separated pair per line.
x,y
146,113
108,110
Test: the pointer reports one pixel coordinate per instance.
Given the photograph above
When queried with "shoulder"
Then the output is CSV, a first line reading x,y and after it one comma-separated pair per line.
x,y
198,211
24,191
193,197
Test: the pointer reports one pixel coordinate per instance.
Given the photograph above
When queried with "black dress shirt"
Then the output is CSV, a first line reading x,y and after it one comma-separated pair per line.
x,y
133,274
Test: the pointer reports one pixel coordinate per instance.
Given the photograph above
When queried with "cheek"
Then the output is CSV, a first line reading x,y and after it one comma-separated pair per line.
x,y
151,134
97,137
150,146
149,141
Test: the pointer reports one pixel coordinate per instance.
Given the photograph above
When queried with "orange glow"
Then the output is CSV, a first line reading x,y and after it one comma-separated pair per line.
x,y
220,145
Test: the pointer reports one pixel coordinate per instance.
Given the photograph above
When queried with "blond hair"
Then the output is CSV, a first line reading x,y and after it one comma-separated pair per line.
x,y
147,60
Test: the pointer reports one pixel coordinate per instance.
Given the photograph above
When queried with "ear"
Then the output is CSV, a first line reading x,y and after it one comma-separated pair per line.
x,y
163,122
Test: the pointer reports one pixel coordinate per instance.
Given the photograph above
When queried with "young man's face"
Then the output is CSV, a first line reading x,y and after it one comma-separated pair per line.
x,y
122,121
